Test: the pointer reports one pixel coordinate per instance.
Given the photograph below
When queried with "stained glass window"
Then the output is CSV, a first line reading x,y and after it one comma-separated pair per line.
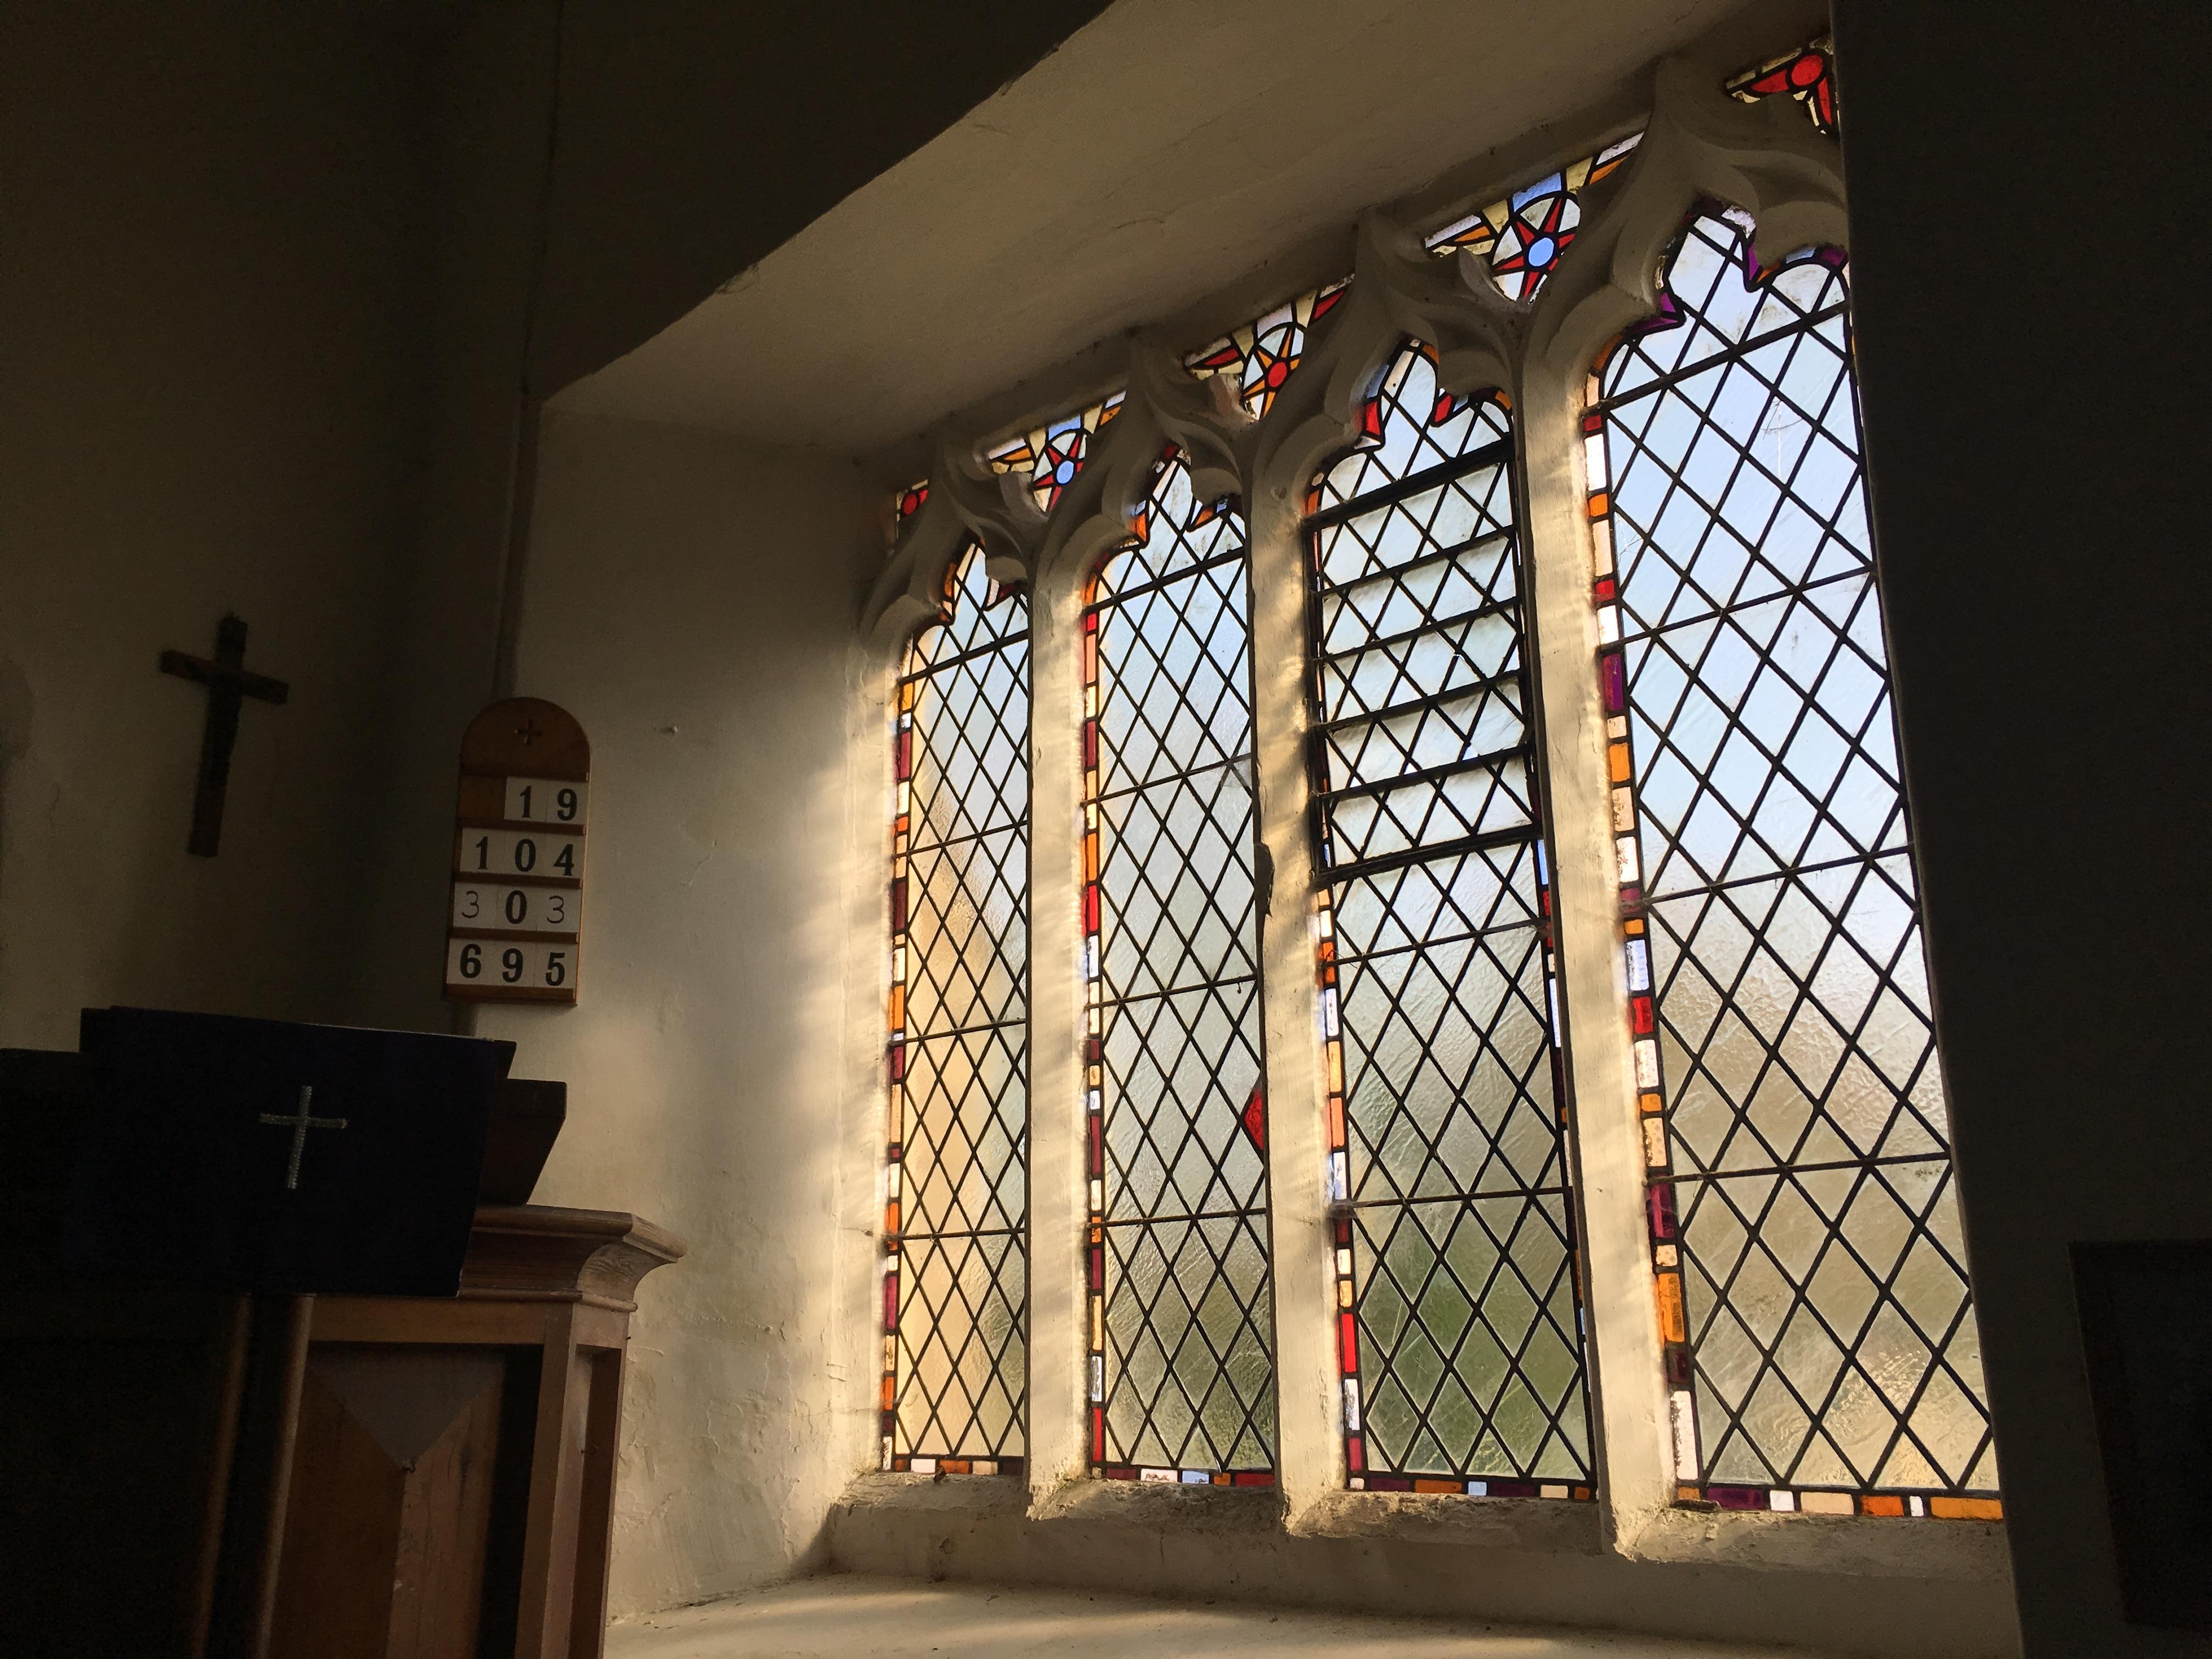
x,y
910,499
1262,353
1822,1352
1524,233
1809,75
1460,1332
1055,452
956,1189
1182,1382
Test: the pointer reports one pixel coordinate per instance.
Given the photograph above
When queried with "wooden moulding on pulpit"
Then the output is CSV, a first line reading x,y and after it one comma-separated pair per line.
x,y
452,1479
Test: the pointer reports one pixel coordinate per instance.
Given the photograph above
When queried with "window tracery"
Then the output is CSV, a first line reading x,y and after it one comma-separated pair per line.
x,y
1262,353
1054,453
1526,233
1809,75
1425,827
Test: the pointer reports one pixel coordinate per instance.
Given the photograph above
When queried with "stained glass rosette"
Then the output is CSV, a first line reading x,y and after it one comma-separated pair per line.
x,y
1054,453
1819,1346
1262,355
1808,75
1526,233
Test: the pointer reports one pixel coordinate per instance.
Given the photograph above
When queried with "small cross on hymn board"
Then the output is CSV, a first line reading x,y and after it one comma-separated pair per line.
x,y
227,682
299,1123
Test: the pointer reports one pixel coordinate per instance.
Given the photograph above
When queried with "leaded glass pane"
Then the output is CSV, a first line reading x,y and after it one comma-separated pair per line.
x,y
1461,1343
1822,1352
1182,1368
955,1202
1525,232
1048,457
1261,356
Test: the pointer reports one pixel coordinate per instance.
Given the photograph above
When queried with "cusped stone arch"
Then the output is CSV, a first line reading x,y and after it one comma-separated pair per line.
x,y
967,505
1764,158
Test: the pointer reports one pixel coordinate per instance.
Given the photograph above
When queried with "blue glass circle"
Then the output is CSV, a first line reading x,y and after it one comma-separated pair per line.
x,y
1542,251
1063,473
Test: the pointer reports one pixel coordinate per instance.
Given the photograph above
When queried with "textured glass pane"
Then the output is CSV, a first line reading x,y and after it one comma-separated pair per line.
x,y
1463,1357
956,1182
1182,1357
1802,1188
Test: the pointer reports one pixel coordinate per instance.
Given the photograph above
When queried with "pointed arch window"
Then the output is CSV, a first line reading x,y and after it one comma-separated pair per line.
x,y
956,1212
1460,1340
1787,1160
1181,1320
1821,1350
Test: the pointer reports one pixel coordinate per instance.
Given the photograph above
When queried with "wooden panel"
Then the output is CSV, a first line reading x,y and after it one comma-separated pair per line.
x,y
389,1532
595,1519
526,737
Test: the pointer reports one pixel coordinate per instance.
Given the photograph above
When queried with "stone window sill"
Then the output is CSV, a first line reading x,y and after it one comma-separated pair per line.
x,y
1853,1546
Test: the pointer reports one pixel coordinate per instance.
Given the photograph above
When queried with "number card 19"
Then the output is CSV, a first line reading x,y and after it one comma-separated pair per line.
x,y
515,930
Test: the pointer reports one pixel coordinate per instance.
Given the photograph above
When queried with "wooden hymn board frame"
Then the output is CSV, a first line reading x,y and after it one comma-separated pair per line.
x,y
515,924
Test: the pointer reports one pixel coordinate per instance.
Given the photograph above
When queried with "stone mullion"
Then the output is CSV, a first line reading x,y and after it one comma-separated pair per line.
x,y
1309,1457
1058,1343
1622,1345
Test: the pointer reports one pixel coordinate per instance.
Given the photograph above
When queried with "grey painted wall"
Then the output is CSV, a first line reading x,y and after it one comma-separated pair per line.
x,y
2029,251
211,286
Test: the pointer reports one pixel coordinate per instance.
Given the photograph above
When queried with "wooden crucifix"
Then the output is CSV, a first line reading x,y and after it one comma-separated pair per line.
x,y
227,684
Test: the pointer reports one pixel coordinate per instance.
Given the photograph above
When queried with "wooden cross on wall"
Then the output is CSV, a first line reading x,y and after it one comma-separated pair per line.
x,y
227,684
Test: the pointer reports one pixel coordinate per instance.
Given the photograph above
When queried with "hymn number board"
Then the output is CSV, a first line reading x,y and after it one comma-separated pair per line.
x,y
515,933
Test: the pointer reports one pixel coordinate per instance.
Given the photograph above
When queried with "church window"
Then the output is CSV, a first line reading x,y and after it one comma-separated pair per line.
x,y
1052,454
1178,1310
1460,1338
1820,1349
1262,355
955,1268
1525,233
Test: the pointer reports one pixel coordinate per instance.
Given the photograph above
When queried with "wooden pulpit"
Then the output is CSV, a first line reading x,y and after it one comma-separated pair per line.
x,y
452,1472
202,1458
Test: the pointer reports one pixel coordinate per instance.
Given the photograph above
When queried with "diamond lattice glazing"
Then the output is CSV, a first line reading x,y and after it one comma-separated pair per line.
x,y
955,1267
1183,1379
1461,1352
1805,1231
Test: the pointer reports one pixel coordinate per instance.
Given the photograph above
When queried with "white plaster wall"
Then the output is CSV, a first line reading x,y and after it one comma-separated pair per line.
x,y
211,349
691,599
